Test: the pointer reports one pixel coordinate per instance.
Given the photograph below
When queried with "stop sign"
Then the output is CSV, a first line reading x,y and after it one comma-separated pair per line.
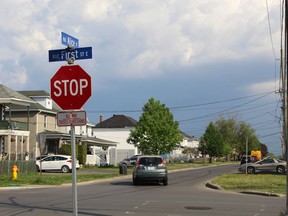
x,y
70,87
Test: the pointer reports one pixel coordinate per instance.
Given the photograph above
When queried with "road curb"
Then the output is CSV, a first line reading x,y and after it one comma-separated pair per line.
x,y
262,193
217,187
213,186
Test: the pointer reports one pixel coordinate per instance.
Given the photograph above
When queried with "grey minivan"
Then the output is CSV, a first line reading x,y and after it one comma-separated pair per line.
x,y
150,168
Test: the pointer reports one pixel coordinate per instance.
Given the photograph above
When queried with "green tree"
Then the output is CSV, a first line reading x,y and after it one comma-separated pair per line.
x,y
247,132
213,141
156,132
202,147
235,134
228,128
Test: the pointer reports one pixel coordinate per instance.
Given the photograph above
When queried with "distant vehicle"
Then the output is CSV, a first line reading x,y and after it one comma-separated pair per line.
x,y
129,162
56,163
267,164
250,159
150,168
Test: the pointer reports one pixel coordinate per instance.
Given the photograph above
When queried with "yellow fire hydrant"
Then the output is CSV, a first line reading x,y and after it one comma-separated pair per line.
x,y
15,171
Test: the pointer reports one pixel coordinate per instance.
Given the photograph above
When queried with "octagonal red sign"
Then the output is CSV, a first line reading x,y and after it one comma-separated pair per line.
x,y
70,87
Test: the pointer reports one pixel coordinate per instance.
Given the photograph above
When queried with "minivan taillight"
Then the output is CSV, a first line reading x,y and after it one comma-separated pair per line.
x,y
137,163
163,162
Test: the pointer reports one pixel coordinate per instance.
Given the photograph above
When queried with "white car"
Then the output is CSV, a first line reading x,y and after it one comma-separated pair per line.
x,y
56,163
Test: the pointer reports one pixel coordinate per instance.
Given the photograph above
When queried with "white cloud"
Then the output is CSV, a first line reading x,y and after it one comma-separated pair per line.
x,y
15,77
98,10
142,38
263,87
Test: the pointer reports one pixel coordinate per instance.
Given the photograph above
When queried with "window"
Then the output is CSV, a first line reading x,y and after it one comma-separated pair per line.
x,y
45,121
151,161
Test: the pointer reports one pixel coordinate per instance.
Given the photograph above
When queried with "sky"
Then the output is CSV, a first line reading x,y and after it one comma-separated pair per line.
x,y
203,59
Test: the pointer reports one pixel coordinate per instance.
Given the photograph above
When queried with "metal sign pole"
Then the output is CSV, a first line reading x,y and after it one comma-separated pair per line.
x,y
246,160
74,176
285,97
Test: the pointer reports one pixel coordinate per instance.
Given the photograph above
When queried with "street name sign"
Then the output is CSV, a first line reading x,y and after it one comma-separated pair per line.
x,y
70,87
68,40
65,54
71,118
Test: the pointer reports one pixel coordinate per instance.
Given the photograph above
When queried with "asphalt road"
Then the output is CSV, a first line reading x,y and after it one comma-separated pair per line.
x,y
185,195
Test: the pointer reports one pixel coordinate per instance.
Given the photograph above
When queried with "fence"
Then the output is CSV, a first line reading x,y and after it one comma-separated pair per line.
x,y
24,167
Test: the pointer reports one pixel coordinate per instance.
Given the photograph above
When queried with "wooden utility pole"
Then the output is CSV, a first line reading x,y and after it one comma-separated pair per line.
x,y
285,87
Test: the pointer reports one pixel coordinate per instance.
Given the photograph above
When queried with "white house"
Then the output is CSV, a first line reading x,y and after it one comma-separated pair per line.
x,y
188,142
117,129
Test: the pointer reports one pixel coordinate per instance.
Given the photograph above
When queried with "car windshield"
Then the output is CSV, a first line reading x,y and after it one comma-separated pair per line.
x,y
150,161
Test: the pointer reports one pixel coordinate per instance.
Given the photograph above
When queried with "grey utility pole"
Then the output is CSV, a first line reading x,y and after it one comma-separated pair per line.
x,y
285,94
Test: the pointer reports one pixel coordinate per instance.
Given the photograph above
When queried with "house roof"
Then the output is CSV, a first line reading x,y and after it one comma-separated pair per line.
x,y
85,139
37,106
35,93
9,96
98,142
58,135
188,136
117,121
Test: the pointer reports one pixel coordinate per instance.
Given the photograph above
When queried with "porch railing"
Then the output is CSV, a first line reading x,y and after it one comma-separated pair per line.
x,y
13,125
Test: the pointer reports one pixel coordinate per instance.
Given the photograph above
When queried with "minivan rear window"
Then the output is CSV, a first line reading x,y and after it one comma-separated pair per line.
x,y
150,161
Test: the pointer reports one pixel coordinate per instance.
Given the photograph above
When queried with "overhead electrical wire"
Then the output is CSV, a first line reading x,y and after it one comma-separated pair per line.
x,y
270,31
223,111
184,106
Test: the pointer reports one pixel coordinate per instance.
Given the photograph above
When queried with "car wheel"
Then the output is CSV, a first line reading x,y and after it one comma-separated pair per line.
x,y
135,181
280,169
65,169
165,182
37,168
250,170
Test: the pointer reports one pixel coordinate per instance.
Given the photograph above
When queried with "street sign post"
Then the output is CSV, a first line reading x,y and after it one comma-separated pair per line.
x,y
70,87
69,40
71,118
65,54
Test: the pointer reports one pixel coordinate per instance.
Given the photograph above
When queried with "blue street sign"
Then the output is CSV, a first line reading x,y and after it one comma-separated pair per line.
x,y
68,40
65,54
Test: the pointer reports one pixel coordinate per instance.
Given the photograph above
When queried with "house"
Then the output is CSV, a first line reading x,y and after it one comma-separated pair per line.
x,y
117,129
189,142
15,142
28,126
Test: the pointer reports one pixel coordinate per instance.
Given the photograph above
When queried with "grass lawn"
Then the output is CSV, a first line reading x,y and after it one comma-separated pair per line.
x,y
270,183
50,179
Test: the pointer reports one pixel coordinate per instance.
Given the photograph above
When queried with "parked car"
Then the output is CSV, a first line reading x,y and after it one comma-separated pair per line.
x,y
250,159
267,164
150,168
129,162
56,163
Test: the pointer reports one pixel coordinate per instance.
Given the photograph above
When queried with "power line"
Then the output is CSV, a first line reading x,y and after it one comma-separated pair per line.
x,y
184,106
270,32
232,108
